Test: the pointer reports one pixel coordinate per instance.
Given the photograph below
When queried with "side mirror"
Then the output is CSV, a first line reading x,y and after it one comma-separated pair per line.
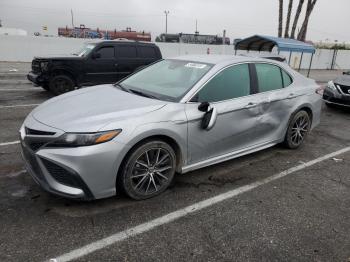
x,y
203,107
209,117
95,55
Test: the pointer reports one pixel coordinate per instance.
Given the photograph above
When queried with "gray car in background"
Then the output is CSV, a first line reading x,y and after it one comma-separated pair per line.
x,y
176,115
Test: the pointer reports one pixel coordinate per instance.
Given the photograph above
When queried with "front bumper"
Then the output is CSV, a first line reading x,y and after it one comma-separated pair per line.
x,y
81,173
37,79
335,97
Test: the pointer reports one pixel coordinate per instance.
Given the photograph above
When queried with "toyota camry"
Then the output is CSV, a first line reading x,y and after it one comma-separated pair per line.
x,y
174,116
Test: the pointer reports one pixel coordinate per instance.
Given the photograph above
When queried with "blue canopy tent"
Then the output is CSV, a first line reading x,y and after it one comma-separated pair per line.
x,y
267,43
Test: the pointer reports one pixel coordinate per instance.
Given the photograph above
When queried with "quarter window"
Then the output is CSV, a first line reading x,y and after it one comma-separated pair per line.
x,y
287,80
230,83
106,52
269,77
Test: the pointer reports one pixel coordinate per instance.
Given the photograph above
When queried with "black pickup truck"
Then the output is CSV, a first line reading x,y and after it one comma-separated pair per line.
x,y
100,62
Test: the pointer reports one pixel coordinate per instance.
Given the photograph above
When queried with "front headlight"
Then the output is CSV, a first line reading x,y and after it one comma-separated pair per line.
x,y
84,139
44,66
331,85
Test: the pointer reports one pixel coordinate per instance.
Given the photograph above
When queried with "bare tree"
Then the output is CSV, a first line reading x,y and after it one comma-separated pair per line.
x,y
280,18
286,30
296,18
303,29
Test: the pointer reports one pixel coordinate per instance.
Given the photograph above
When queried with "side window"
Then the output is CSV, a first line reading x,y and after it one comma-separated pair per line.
x,y
269,77
147,52
126,51
287,80
106,52
233,82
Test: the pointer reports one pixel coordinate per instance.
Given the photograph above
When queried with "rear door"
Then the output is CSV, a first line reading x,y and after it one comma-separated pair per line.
x,y
100,67
127,60
148,54
277,99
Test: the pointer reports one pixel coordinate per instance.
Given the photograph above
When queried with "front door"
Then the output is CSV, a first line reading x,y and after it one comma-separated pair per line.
x,y
238,111
102,66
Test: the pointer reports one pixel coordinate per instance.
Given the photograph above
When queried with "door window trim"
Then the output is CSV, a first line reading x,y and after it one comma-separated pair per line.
x,y
280,68
218,72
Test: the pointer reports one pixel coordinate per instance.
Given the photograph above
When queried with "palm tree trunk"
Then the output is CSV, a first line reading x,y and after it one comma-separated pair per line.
x,y
286,30
296,18
303,30
280,18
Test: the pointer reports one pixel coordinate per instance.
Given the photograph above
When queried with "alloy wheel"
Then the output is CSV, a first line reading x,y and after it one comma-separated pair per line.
x,y
299,129
152,171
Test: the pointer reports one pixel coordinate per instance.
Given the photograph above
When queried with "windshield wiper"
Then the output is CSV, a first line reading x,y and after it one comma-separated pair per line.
x,y
143,94
122,87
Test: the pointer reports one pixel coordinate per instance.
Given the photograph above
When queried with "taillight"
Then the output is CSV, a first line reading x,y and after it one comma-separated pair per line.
x,y
320,90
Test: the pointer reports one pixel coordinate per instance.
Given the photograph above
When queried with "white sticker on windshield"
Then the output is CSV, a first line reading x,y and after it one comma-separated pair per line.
x,y
195,65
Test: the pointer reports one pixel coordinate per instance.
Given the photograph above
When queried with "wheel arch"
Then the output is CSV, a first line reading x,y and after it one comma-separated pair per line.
x,y
179,151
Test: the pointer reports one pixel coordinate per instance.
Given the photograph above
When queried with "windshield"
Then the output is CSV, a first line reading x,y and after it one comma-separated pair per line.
x,y
167,80
85,50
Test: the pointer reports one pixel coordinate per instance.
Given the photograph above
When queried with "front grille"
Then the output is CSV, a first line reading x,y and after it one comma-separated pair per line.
x,y
36,145
34,132
33,163
61,174
344,89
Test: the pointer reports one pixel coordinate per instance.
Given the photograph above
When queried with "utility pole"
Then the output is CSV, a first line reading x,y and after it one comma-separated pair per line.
x,y
71,13
166,21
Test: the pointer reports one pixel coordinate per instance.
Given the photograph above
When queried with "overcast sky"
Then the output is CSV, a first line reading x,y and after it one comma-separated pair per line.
x,y
330,19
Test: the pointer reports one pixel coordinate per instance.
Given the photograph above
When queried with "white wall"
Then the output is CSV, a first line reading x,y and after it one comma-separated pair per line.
x,y
24,48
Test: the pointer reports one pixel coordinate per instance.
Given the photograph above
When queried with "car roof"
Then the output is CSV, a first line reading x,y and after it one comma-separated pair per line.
x,y
220,59
119,40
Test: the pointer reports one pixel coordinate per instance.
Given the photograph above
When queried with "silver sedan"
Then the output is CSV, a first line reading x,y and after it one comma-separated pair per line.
x,y
174,116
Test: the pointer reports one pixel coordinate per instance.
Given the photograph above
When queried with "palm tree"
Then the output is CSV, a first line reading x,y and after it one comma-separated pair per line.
x,y
296,18
286,30
303,30
280,18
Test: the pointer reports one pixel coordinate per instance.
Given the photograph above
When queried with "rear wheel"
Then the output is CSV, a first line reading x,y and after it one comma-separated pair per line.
x,y
149,170
298,129
61,84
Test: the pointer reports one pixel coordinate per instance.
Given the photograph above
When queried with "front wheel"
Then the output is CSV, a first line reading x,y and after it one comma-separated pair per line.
x,y
61,84
297,130
149,170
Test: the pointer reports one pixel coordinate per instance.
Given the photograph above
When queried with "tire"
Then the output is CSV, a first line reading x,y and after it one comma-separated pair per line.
x,y
140,178
61,84
46,87
298,129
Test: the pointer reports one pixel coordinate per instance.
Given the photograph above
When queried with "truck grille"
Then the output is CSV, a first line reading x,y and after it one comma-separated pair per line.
x,y
35,66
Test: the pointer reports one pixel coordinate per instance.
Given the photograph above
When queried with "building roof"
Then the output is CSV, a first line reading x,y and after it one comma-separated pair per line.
x,y
266,43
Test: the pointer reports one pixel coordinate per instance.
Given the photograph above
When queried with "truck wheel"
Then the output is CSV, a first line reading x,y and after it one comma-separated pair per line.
x,y
61,84
46,87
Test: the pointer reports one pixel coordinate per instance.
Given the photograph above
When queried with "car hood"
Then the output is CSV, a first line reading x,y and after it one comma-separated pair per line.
x,y
343,80
90,109
58,57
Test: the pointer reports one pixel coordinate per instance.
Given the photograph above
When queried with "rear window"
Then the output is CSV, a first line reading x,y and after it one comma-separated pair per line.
x,y
126,51
147,52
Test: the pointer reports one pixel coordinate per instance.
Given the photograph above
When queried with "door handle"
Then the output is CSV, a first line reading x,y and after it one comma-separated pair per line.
x,y
250,105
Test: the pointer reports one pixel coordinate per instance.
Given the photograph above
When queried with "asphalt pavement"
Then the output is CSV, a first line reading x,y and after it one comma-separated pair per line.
x,y
301,216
